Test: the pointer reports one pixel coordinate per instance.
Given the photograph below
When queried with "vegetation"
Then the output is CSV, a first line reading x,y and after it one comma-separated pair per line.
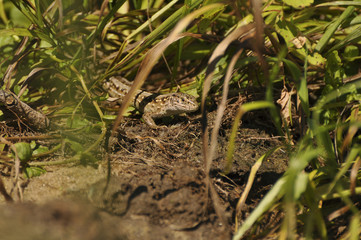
x,y
55,54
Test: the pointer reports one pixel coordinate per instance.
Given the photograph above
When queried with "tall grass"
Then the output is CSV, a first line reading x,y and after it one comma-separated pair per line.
x,y
60,51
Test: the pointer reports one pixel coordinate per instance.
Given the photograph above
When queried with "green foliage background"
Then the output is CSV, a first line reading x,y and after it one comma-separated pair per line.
x,y
56,53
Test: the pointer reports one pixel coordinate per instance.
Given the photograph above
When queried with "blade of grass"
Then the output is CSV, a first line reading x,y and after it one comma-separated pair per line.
x,y
217,53
278,190
87,93
350,38
154,54
339,3
15,31
179,48
315,217
2,13
346,166
355,227
124,64
104,21
320,131
335,195
295,186
252,175
332,29
152,19
220,111
251,106
301,83
44,30
272,196
269,91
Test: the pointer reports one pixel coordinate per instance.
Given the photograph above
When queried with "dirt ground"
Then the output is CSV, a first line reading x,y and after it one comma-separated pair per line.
x,y
157,187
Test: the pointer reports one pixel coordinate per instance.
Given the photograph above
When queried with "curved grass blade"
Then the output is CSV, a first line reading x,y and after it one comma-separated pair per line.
x,y
332,29
15,31
272,196
104,21
218,52
321,132
280,188
153,56
251,106
301,83
220,112
353,37
251,178
44,30
339,3
123,64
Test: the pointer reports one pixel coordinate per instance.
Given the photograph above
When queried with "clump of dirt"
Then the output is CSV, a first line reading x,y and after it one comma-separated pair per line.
x,y
157,188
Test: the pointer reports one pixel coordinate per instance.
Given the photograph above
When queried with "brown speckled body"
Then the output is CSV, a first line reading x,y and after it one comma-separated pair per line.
x,y
152,105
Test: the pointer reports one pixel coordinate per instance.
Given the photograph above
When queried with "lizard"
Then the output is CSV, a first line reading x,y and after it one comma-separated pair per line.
x,y
152,106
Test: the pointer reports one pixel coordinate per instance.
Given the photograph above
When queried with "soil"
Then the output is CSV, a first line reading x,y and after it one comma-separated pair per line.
x,y
157,187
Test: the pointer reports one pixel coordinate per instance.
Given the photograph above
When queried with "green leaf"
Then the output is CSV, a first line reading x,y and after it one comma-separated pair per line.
x,y
18,18
105,21
77,122
87,159
290,32
2,146
351,53
40,149
23,151
109,117
75,146
334,70
32,144
355,227
204,24
65,110
30,172
316,59
15,31
333,61
298,3
295,71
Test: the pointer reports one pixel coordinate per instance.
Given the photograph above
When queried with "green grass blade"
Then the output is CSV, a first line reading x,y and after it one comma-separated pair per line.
x,y
301,83
332,29
251,178
353,37
272,196
355,227
346,166
282,186
241,111
340,3
322,132
15,31
104,21
152,19
169,23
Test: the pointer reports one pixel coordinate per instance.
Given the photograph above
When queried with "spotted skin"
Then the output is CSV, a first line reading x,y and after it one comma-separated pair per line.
x,y
152,106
